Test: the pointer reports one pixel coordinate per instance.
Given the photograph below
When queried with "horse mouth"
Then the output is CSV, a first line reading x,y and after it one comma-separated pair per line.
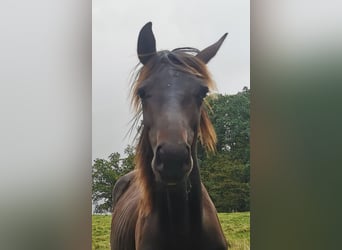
x,y
171,184
171,176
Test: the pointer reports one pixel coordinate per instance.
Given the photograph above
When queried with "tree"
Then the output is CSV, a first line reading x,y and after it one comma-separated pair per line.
x,y
231,118
104,175
227,182
226,174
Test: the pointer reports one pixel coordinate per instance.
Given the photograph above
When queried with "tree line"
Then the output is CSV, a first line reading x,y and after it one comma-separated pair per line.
x,y
226,174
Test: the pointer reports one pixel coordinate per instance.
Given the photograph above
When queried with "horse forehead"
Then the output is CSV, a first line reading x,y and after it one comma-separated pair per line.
x,y
168,74
173,79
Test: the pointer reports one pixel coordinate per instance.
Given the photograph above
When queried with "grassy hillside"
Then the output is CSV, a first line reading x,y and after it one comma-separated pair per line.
x,y
235,226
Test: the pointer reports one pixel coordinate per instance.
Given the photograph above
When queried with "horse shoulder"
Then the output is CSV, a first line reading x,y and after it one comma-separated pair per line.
x,y
213,234
124,219
121,186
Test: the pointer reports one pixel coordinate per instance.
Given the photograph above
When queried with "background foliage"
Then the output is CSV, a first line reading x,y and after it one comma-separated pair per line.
x,y
226,174
104,175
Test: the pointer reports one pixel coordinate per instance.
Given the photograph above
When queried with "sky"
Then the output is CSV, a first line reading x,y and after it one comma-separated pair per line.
x,y
115,28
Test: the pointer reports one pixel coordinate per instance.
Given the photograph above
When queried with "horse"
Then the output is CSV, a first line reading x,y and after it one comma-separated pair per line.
x,y
162,204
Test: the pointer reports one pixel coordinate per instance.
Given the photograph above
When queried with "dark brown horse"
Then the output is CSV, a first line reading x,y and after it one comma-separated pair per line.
x,y
162,204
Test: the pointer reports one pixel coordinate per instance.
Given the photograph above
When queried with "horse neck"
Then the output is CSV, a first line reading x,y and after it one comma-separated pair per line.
x,y
173,210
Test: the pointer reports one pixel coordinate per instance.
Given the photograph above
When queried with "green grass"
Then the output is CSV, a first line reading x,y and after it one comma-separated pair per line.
x,y
236,228
100,232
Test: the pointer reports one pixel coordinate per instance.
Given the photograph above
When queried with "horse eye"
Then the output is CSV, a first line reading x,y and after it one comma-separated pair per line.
x,y
203,92
141,93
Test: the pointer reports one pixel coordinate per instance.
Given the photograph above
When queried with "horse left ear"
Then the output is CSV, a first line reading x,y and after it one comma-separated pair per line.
x,y
146,43
209,52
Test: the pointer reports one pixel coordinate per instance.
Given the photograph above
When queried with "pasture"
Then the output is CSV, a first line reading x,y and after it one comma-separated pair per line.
x,y
236,228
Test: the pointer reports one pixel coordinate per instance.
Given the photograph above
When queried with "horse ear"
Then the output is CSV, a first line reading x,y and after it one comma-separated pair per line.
x,y
146,43
209,52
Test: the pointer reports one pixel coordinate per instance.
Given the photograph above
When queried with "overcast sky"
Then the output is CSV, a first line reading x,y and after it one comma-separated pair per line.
x,y
175,23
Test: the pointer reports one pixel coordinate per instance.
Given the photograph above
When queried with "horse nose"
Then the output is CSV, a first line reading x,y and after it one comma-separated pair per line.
x,y
173,161
173,153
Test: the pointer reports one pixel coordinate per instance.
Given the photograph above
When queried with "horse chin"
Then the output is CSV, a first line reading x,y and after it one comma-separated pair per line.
x,y
171,184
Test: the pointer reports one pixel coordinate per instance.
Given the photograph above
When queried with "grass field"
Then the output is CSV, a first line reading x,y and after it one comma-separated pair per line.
x,y
236,227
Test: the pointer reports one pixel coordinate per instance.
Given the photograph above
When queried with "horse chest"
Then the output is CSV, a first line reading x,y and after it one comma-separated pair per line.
x,y
164,234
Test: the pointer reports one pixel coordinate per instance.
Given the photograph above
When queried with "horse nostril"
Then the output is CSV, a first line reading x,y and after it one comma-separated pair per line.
x,y
188,149
160,152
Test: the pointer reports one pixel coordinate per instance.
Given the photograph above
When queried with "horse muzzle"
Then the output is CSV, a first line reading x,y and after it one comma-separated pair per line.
x,y
172,163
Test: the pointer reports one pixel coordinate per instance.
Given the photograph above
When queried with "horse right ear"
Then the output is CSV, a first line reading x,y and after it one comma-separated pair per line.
x,y
146,43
